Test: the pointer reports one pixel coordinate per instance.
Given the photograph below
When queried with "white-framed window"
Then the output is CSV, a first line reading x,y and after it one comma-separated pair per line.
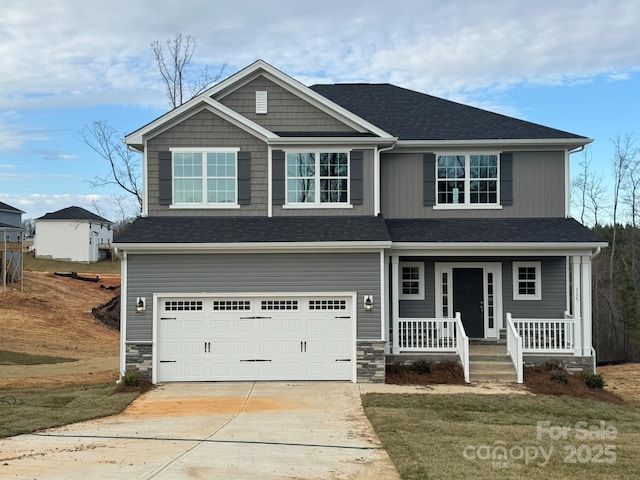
x,y
207,176
468,180
411,281
317,178
527,281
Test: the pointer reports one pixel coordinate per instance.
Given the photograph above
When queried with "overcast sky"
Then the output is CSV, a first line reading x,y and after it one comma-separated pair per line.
x,y
573,65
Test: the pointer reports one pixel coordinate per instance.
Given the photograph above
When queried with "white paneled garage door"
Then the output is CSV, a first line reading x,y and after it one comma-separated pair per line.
x,y
255,338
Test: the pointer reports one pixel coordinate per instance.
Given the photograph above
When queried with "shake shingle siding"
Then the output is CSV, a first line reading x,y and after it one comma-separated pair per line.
x,y
204,129
538,188
252,273
286,111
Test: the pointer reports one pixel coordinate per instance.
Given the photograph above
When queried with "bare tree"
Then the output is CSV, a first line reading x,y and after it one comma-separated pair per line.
x,y
173,58
29,225
124,164
589,195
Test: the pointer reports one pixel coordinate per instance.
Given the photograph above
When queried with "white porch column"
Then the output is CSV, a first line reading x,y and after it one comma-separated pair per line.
x,y
385,302
576,285
586,306
395,311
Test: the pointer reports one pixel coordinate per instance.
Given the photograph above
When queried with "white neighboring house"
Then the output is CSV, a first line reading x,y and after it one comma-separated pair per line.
x,y
73,233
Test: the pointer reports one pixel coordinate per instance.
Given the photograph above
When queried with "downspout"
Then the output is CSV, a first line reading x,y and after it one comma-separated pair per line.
x,y
567,176
377,176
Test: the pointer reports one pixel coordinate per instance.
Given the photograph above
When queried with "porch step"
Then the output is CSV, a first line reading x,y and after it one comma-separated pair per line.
x,y
490,363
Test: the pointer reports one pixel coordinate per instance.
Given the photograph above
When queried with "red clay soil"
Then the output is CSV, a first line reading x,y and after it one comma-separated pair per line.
x,y
53,317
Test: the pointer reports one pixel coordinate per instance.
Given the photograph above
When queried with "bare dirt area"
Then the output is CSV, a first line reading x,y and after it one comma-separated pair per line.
x,y
53,317
623,380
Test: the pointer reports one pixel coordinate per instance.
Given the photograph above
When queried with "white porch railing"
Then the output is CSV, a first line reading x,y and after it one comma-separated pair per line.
x,y
462,346
434,335
541,335
514,348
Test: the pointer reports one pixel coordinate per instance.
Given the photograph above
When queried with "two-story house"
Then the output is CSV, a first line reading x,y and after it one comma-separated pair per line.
x,y
75,234
312,233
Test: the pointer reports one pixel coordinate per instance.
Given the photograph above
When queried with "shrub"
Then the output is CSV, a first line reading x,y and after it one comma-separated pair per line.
x,y
422,367
559,376
130,378
594,380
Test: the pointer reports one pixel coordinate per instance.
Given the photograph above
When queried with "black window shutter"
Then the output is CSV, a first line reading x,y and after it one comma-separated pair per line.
x,y
278,177
244,178
356,173
506,178
165,188
429,179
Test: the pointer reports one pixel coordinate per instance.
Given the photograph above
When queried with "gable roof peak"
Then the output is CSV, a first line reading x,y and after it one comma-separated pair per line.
x,y
73,213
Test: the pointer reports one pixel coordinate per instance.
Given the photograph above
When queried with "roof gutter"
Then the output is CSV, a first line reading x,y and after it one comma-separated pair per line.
x,y
246,247
534,142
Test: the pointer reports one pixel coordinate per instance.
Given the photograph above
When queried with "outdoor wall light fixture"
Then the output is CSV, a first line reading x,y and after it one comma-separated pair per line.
x,y
368,302
141,304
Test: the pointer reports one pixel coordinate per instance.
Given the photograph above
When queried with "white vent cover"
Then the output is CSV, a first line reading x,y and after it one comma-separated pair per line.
x,y
261,102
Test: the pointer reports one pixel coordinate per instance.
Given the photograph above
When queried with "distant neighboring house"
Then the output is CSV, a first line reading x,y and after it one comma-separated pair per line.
x,y
10,247
10,222
73,233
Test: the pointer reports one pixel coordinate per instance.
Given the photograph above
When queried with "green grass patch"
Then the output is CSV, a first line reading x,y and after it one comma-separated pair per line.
x,y
16,358
25,410
497,436
34,264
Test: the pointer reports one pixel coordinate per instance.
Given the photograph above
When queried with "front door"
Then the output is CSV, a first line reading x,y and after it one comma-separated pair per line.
x,y
468,298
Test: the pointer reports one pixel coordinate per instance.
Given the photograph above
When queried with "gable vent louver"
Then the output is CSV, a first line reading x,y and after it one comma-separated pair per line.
x,y
261,102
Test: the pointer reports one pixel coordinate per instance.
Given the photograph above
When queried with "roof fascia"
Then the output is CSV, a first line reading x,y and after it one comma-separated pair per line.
x,y
162,124
496,248
252,247
260,67
565,143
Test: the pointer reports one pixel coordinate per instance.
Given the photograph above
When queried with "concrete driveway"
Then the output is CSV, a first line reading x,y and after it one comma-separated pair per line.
x,y
304,430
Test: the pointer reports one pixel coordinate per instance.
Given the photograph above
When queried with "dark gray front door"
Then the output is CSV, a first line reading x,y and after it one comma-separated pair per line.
x,y
468,295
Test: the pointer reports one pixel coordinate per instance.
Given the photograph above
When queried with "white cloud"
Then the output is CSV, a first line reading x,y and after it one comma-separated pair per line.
x,y
78,54
36,205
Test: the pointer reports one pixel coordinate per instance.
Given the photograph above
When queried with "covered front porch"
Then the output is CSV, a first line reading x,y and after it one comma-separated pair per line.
x,y
535,306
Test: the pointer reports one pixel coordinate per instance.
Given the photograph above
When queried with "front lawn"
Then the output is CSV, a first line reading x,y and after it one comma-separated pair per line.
x,y
25,410
466,436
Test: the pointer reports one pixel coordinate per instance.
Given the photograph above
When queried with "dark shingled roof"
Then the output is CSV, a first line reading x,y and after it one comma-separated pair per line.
x,y
411,115
354,229
73,213
8,208
491,230
254,229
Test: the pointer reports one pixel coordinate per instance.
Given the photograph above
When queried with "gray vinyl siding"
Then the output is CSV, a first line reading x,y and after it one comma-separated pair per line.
x,y
253,273
554,295
11,218
286,111
422,308
538,188
204,129
367,207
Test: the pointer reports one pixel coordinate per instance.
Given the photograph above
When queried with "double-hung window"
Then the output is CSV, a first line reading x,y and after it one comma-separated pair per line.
x,y
411,281
467,180
205,177
527,283
317,178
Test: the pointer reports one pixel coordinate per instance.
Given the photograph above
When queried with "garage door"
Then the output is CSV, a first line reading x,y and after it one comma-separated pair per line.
x,y
255,338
